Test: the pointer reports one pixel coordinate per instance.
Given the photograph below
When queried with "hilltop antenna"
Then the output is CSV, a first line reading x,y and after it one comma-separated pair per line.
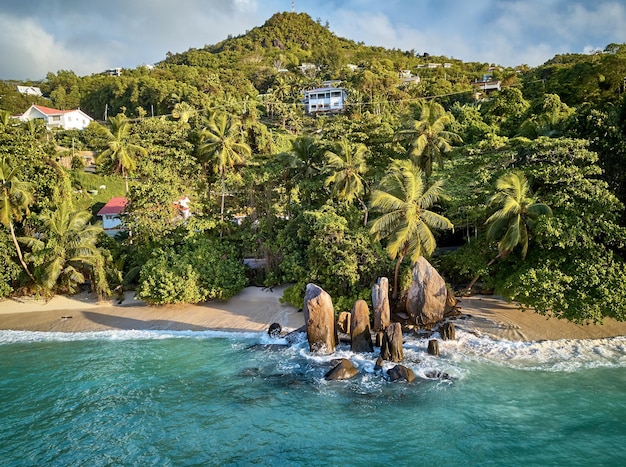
x,y
293,6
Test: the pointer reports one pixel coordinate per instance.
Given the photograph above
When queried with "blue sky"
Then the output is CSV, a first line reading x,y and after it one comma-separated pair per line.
x,y
86,36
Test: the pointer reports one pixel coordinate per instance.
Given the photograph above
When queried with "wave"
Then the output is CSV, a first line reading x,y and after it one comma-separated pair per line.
x,y
554,355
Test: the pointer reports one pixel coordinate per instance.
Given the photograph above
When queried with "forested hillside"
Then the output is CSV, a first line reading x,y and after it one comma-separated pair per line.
x,y
519,191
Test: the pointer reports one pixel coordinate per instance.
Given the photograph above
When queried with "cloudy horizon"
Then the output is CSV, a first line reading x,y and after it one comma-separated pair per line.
x,y
89,37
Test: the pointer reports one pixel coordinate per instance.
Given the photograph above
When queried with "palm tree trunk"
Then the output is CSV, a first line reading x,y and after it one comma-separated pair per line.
x,y
473,281
364,209
19,251
223,196
394,294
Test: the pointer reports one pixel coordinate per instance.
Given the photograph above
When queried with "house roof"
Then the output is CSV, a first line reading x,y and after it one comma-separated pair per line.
x,y
114,206
325,88
49,111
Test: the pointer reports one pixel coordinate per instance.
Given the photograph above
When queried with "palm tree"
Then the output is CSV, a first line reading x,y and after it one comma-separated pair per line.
x,y
516,218
223,147
15,197
300,164
67,245
183,112
121,152
427,137
404,201
346,165
5,118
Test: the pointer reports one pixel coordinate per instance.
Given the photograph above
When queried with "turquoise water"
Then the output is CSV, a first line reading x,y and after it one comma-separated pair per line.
x,y
206,398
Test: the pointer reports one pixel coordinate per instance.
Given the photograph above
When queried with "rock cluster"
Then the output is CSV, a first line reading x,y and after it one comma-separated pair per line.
x,y
428,300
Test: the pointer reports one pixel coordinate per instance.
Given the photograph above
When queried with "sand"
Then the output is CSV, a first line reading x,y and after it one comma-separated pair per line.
x,y
254,309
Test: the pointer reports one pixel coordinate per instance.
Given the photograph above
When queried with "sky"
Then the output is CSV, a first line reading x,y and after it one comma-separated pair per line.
x,y
88,36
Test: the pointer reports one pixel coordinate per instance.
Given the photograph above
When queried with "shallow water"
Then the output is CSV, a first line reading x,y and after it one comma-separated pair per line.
x,y
209,398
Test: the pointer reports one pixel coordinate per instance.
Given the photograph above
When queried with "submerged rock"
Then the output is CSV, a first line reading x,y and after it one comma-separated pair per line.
x,y
400,373
274,330
344,369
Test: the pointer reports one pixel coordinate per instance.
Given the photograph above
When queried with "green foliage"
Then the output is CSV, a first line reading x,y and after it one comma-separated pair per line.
x,y
324,250
9,269
65,252
198,270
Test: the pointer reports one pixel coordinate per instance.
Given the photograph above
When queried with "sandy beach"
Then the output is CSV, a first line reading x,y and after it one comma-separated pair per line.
x,y
254,309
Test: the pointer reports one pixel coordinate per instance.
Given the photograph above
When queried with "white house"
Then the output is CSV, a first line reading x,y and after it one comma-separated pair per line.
x,y
66,119
29,90
111,212
326,99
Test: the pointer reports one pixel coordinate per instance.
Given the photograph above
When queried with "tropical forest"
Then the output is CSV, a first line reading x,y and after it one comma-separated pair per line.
x,y
509,181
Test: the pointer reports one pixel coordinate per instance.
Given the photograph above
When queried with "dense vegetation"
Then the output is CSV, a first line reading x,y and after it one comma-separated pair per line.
x,y
523,187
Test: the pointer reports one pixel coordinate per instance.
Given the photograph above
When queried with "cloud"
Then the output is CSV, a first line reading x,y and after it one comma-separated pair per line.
x,y
36,52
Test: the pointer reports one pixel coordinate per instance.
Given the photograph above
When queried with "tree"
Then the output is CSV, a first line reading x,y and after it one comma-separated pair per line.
x,y
66,250
516,217
346,165
120,151
427,136
406,220
183,112
15,198
223,147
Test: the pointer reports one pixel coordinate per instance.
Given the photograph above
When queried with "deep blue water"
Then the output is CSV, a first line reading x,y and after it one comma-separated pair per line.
x,y
206,398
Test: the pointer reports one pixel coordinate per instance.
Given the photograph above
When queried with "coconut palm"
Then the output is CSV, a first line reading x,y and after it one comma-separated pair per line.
x,y
120,151
346,165
516,217
427,137
15,198
68,251
223,147
300,164
183,112
404,201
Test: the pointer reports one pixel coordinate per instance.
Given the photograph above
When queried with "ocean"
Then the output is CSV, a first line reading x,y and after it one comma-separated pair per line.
x,y
211,398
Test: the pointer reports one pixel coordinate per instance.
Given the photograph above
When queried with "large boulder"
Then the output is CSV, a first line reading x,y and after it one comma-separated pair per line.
x,y
391,348
427,294
380,302
360,332
401,373
319,319
344,369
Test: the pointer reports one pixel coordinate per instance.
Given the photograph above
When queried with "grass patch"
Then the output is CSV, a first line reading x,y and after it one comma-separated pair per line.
x,y
88,192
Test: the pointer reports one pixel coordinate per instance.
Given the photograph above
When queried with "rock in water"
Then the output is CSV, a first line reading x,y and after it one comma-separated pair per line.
x,y
319,318
343,322
361,334
433,347
427,294
380,302
391,348
345,369
274,330
400,372
447,331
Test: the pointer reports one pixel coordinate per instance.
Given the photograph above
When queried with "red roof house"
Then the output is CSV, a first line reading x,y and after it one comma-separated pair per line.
x,y
66,119
111,212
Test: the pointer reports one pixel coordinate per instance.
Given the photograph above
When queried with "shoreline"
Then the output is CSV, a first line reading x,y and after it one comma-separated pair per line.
x,y
255,308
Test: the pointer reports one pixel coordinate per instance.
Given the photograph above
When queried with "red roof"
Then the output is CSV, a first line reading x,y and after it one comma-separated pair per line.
x,y
114,206
49,111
